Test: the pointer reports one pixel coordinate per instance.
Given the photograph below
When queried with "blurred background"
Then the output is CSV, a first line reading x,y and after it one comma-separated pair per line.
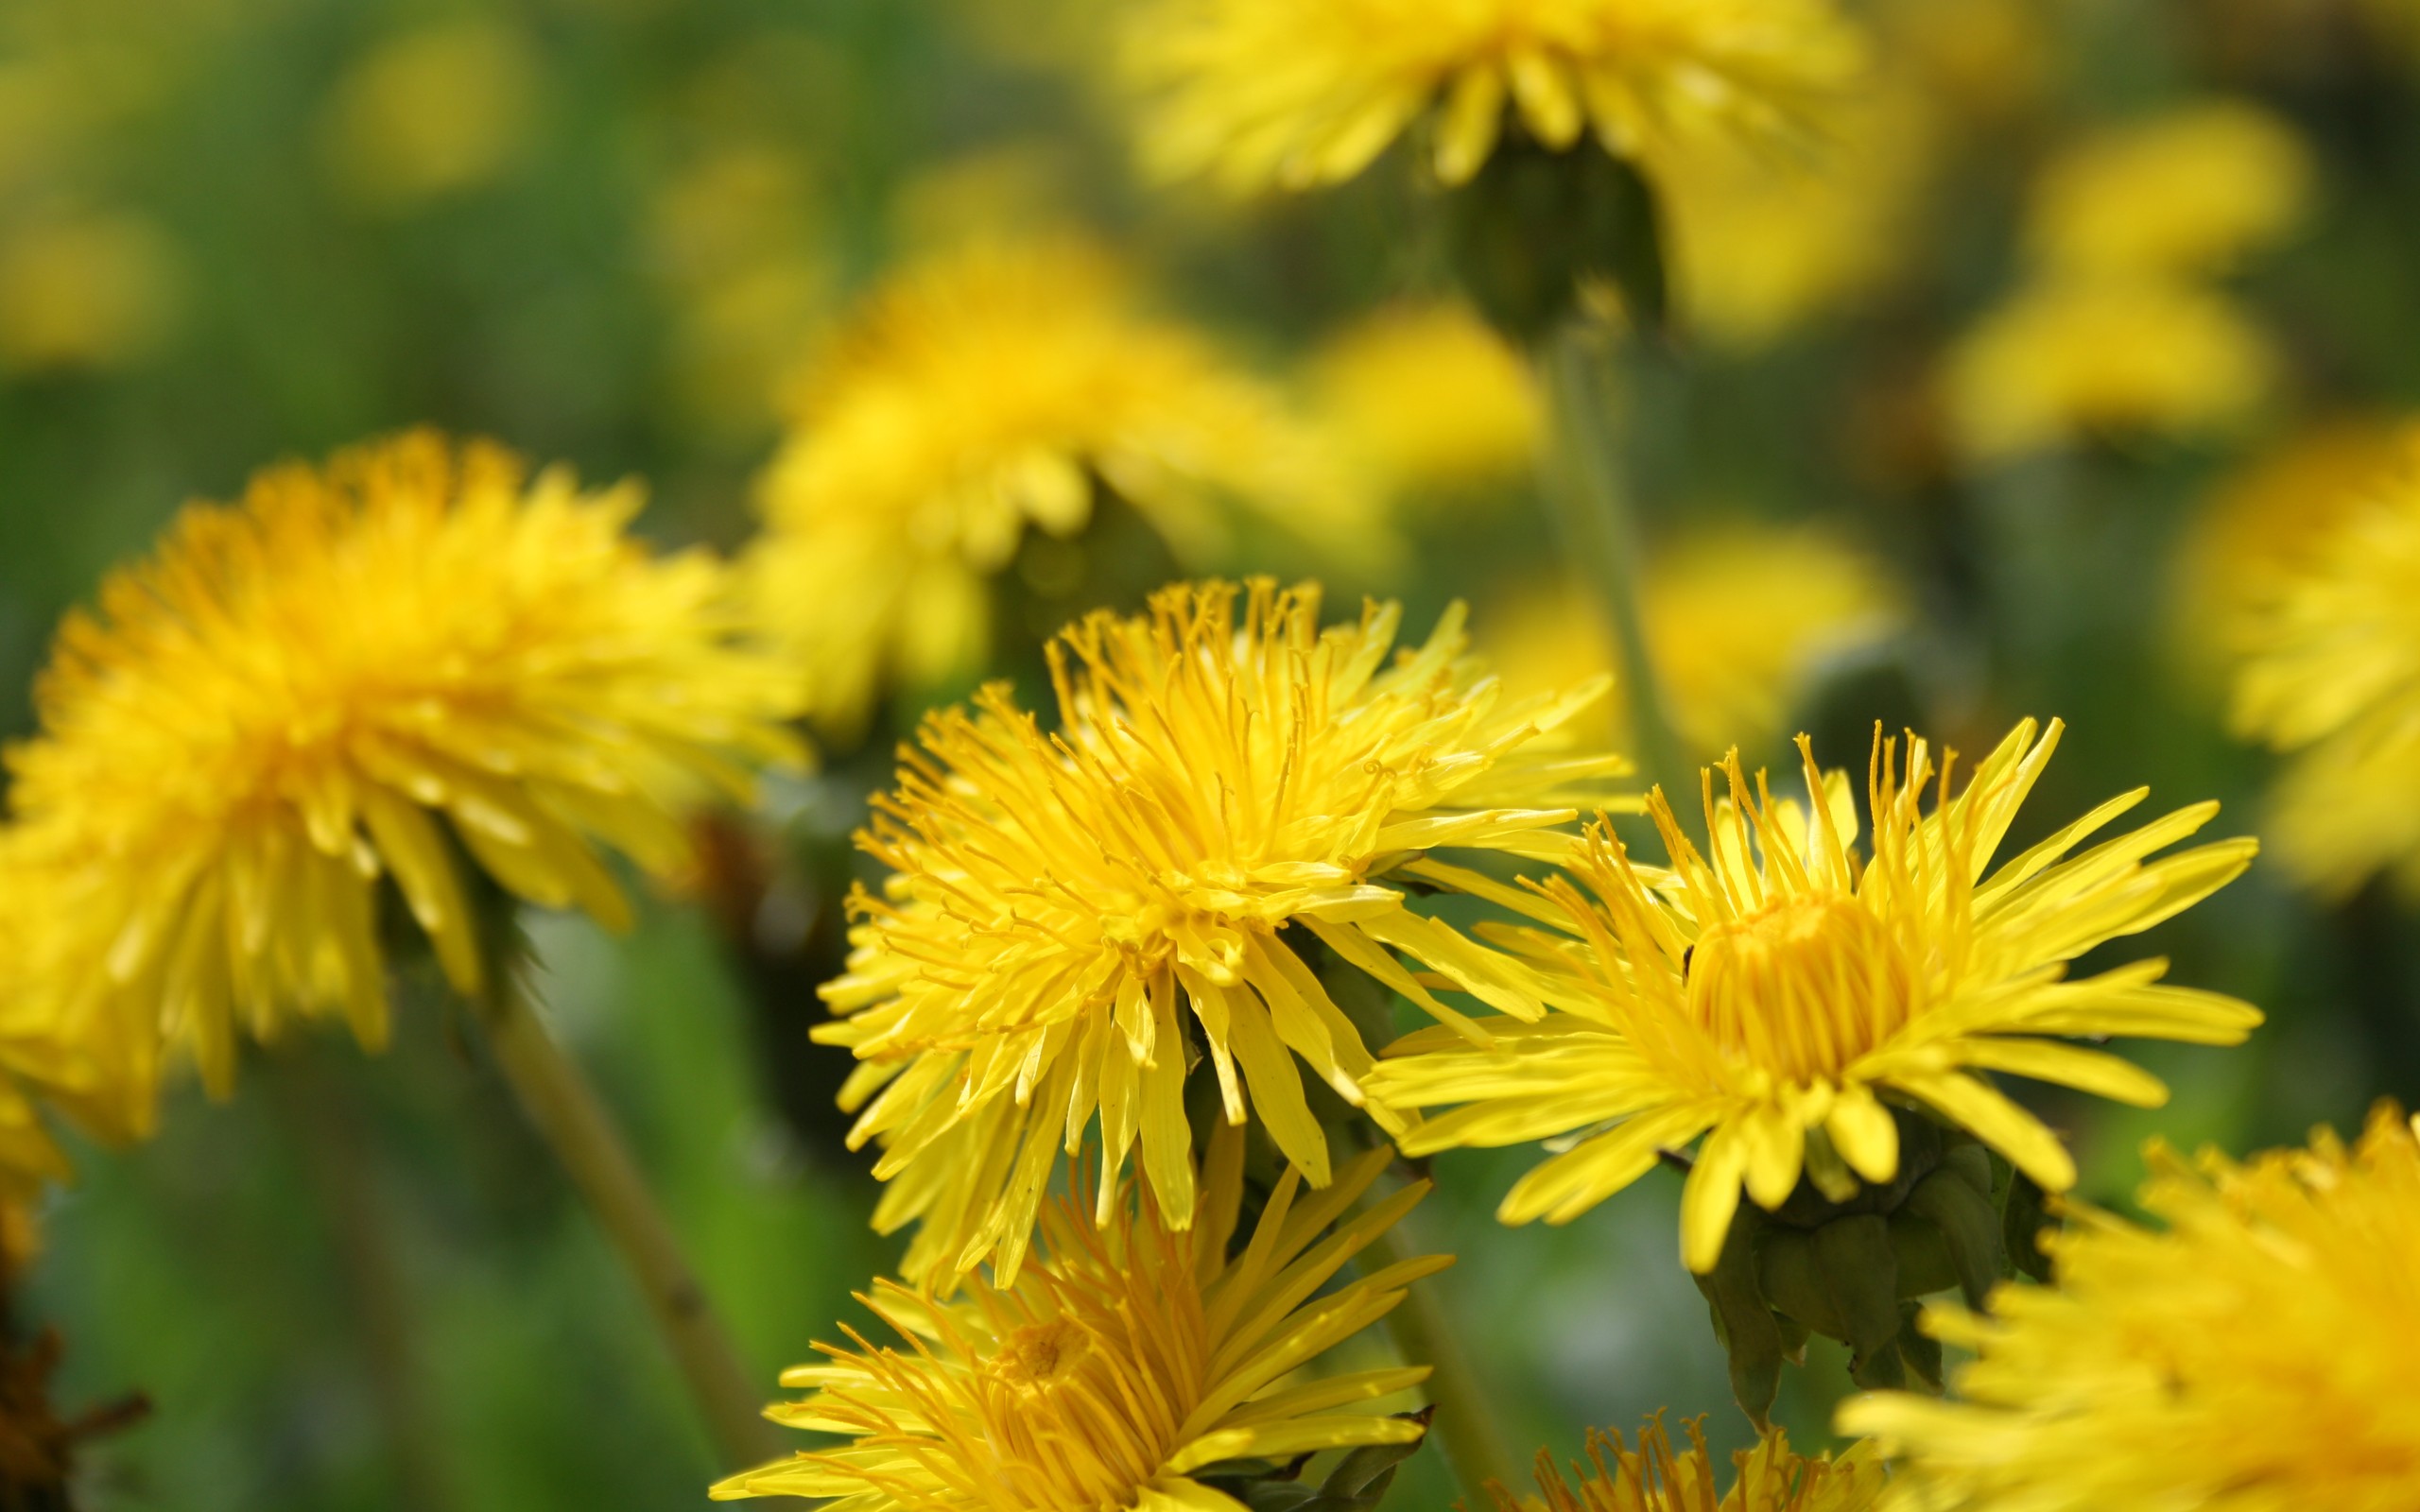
x,y
1948,438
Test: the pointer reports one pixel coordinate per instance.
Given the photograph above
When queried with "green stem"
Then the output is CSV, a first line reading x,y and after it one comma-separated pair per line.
x,y
559,1100
1424,1335
1595,511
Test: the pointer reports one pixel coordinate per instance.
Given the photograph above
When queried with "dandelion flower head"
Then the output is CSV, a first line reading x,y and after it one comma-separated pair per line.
x,y
1235,798
2069,359
1133,1354
1771,990
2182,194
1656,1477
1266,93
1738,618
2330,675
414,660
993,389
1428,398
2251,1354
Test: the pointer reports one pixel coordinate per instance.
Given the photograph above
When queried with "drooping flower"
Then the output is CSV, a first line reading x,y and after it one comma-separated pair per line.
x,y
2182,193
1771,991
2254,1354
2331,674
412,660
993,390
1133,1354
1429,399
1770,1477
1232,795
1737,617
1268,94
2068,359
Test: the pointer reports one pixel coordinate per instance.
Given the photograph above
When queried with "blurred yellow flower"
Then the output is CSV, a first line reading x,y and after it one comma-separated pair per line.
x,y
2264,524
1653,1477
995,387
746,274
1763,241
431,112
277,711
1774,989
2188,191
84,291
2253,1355
1983,59
2331,673
1233,793
2064,360
1428,398
1738,618
1134,1354
1270,93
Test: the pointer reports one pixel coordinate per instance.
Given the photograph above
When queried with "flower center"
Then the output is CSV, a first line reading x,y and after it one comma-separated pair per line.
x,y
1039,1356
1802,988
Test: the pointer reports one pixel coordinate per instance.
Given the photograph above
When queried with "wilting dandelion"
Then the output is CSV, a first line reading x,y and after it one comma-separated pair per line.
x,y
1771,990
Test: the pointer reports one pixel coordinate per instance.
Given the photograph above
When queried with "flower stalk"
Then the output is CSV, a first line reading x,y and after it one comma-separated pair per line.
x,y
1425,1334
559,1100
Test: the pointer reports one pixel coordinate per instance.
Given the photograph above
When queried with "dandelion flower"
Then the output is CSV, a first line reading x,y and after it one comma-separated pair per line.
x,y
1428,398
1654,1477
414,658
2331,674
1773,990
1270,93
2182,193
1133,1356
2254,1354
994,389
2268,522
1739,619
2068,359
1233,796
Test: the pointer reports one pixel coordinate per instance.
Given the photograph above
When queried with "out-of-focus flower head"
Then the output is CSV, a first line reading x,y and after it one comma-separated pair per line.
x,y
994,389
431,112
2267,522
1655,1477
1135,1354
2253,1354
1763,241
1772,990
2330,674
1977,59
1270,93
2185,193
96,290
2065,360
1737,617
1429,399
1233,798
412,660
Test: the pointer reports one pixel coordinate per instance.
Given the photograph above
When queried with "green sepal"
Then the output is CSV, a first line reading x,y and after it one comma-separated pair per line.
x,y
1357,1484
1862,1277
1743,1323
1537,224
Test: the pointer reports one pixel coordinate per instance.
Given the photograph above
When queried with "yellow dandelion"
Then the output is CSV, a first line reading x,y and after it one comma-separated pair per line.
x,y
2253,1355
85,290
2330,665
1268,94
1428,398
413,659
431,112
1738,618
993,390
1776,989
1233,794
2188,191
2261,525
1134,1354
2064,360
1763,242
1655,1477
